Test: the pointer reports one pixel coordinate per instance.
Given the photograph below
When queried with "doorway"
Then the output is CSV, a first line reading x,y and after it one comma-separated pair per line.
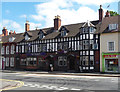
x,y
71,59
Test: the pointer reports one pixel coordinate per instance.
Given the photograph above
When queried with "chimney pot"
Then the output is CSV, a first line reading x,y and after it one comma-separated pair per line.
x,y
57,22
107,14
4,31
4,28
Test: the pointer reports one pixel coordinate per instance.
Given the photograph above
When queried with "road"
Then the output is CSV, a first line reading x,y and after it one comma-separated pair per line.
x,y
39,82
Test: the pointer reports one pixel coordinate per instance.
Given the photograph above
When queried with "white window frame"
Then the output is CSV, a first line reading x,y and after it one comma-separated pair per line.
x,y
108,46
7,61
23,49
63,59
12,49
7,49
12,62
113,26
17,49
3,50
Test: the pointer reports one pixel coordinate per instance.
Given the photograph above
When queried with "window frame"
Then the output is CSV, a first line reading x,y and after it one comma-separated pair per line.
x,y
12,49
7,61
12,62
3,50
109,48
7,49
62,60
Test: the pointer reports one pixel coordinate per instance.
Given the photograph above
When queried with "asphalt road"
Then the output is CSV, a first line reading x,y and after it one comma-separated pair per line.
x,y
58,83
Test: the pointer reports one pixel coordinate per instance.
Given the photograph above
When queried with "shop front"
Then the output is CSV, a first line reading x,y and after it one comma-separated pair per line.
x,y
110,62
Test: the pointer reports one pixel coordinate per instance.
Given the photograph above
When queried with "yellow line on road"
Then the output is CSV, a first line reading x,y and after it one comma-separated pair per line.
x,y
20,84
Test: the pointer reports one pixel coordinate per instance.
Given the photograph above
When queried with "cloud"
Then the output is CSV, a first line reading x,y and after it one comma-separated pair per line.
x,y
64,8
34,25
37,17
12,25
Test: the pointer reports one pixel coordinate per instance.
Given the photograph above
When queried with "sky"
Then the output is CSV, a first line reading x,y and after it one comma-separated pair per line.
x,y
40,13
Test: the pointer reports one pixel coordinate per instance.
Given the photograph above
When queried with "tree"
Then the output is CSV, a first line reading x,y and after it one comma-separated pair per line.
x,y
112,13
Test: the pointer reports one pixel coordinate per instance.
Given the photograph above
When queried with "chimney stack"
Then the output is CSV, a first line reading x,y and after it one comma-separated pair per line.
x,y
4,31
27,26
57,22
100,13
107,14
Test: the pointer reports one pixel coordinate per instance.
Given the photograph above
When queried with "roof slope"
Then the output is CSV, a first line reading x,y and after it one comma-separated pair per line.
x,y
51,33
101,27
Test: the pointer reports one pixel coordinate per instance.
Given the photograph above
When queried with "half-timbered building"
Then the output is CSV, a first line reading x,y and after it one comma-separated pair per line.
x,y
74,47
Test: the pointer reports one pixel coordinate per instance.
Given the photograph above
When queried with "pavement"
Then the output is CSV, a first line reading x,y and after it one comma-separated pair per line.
x,y
63,73
6,84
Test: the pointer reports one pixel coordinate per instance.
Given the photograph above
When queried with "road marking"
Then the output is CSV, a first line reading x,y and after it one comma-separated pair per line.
x,y
20,84
50,87
75,89
44,86
64,88
53,87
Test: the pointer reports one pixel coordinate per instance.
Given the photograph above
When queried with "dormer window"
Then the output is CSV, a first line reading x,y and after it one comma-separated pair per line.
x,y
113,26
27,37
11,39
41,36
63,33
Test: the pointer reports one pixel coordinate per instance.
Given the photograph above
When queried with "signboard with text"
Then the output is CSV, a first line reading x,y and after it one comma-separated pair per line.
x,y
110,56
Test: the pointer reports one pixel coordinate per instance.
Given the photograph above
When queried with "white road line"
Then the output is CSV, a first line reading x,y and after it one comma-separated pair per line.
x,y
75,89
53,87
44,86
50,87
25,85
62,88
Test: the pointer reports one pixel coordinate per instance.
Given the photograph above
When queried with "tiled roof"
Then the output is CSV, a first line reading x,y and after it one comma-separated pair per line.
x,y
103,26
73,30
17,37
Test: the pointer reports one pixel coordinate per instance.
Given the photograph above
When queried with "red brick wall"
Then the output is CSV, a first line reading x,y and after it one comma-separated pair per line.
x,y
97,61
